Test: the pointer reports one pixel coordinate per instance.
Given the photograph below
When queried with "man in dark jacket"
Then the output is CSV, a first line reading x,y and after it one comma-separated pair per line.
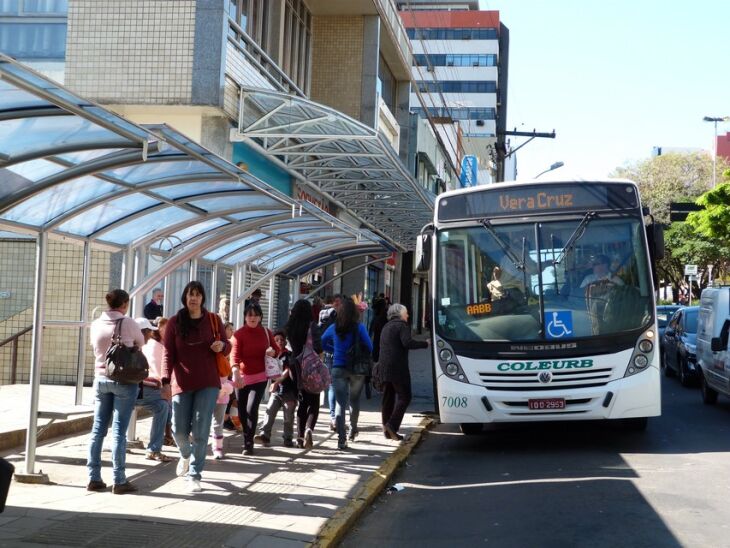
x,y
153,309
395,342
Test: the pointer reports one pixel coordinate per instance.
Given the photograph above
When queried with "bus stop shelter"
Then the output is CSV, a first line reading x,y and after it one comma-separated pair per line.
x,y
72,169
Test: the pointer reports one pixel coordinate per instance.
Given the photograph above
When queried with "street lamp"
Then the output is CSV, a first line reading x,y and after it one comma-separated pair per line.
x,y
715,120
556,165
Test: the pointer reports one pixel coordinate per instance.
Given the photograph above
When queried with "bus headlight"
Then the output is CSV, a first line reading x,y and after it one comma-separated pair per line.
x,y
641,361
452,369
646,345
445,355
448,362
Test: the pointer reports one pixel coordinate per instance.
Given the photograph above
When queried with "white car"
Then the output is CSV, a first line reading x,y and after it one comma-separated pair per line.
x,y
712,343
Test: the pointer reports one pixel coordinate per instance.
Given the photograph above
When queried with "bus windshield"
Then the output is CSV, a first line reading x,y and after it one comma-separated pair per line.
x,y
536,281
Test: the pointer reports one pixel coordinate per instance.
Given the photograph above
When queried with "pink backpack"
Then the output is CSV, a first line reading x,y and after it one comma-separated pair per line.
x,y
315,377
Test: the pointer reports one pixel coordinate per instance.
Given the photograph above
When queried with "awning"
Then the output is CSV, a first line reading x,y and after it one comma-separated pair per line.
x,y
75,169
348,162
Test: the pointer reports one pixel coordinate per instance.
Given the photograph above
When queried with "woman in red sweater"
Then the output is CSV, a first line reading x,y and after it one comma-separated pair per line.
x,y
189,366
250,344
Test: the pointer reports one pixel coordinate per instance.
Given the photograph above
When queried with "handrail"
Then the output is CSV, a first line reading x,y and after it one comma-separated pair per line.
x,y
14,351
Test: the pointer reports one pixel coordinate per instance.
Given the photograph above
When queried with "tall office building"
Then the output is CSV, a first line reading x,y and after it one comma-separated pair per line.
x,y
460,69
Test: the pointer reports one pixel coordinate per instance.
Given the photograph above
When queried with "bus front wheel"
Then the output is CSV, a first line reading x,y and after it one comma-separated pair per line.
x,y
470,428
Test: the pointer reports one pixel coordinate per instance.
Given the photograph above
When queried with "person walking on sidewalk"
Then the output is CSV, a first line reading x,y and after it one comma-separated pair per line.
x,y
283,396
327,317
395,342
338,339
221,404
113,401
153,397
297,328
251,343
190,368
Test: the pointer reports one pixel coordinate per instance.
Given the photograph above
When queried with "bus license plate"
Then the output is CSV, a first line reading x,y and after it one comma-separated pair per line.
x,y
546,403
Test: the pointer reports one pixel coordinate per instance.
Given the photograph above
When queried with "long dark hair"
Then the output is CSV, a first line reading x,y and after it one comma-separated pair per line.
x,y
298,325
347,317
183,316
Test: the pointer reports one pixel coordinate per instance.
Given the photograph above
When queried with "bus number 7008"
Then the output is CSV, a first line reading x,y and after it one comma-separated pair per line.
x,y
449,401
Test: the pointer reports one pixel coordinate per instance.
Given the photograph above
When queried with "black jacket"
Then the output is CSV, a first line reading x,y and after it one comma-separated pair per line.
x,y
395,342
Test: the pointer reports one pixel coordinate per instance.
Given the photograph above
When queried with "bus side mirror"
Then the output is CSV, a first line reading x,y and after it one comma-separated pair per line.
x,y
716,344
423,251
658,241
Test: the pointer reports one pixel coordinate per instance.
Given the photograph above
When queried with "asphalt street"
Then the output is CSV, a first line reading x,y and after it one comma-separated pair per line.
x,y
563,484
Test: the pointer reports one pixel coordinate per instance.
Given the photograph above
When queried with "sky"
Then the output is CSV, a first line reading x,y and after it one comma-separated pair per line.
x,y
613,79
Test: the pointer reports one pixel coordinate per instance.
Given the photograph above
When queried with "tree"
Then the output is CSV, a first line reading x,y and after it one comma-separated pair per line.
x,y
670,178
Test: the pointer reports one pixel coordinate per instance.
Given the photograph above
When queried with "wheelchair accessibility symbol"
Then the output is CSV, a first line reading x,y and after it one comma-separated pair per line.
x,y
558,325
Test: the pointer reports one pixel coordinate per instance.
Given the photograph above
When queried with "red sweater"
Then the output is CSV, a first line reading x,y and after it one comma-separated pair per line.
x,y
189,363
249,349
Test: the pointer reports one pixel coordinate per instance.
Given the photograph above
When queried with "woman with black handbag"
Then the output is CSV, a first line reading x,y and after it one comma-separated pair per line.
x,y
395,342
348,340
112,399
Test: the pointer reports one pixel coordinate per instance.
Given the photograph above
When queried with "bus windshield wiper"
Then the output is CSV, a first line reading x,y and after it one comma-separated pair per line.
x,y
516,261
577,234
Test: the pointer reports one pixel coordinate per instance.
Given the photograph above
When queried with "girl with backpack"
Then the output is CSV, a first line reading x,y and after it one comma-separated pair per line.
x,y
297,329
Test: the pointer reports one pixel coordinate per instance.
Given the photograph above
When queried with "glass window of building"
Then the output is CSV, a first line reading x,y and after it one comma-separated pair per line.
x,y
33,29
386,84
296,54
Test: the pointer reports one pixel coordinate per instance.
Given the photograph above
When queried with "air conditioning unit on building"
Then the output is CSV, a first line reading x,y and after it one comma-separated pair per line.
x,y
480,122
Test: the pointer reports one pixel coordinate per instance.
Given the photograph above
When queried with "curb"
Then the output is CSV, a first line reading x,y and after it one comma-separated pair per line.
x,y
334,530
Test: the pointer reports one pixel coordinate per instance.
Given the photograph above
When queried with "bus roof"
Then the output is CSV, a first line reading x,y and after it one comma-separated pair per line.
x,y
508,184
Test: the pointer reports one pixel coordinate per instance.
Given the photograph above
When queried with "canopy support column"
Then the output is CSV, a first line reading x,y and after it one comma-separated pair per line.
x,y
84,317
214,298
36,360
270,315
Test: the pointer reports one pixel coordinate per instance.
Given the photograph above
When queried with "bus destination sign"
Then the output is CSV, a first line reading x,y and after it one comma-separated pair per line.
x,y
492,202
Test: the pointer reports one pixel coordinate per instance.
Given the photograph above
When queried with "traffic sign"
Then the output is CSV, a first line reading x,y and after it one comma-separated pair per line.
x,y
690,270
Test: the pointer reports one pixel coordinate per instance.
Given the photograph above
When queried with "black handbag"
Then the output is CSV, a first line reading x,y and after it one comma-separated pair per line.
x,y
125,364
359,361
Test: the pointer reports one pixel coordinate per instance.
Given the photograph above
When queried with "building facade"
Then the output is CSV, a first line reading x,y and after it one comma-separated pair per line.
x,y
460,64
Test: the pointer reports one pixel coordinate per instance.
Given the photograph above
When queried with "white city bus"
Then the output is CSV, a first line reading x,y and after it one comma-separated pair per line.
x,y
543,303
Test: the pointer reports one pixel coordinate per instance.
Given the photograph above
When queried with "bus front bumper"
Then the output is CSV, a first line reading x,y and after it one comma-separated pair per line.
x,y
629,397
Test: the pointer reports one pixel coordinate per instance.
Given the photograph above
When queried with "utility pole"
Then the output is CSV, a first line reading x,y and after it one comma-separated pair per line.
x,y
502,154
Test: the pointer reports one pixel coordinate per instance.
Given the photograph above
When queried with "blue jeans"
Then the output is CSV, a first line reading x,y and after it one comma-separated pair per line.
x,y
160,410
112,400
347,387
192,412
328,358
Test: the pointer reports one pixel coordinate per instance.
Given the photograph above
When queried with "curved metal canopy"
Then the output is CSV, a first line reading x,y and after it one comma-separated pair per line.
x,y
73,168
347,161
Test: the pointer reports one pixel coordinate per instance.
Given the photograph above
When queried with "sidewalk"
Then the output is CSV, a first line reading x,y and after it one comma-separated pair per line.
x,y
278,497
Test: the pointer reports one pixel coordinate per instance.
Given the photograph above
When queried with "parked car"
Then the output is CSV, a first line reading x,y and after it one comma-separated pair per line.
x,y
712,343
664,313
678,345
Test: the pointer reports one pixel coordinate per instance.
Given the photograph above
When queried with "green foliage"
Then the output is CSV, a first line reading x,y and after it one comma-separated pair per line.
x,y
714,220
685,177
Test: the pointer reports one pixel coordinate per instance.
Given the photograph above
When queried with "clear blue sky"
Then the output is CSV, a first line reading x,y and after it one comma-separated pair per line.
x,y
614,78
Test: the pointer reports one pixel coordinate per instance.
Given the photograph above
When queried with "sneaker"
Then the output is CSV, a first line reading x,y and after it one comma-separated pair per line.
x,y
308,441
194,485
248,450
353,434
392,434
123,488
96,485
333,425
342,445
183,465
262,439
218,455
288,443
228,425
300,443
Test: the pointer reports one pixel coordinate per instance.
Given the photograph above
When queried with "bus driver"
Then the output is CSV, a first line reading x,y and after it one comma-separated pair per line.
x,y
600,272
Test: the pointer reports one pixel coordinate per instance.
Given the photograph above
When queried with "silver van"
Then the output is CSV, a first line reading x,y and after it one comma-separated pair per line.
x,y
713,357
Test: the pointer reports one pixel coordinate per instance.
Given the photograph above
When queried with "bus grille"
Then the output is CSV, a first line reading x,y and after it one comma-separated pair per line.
x,y
562,380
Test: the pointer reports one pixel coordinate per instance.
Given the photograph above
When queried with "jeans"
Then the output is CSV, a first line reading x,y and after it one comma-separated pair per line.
x,y
249,398
396,397
160,408
192,412
275,403
112,400
328,358
347,387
